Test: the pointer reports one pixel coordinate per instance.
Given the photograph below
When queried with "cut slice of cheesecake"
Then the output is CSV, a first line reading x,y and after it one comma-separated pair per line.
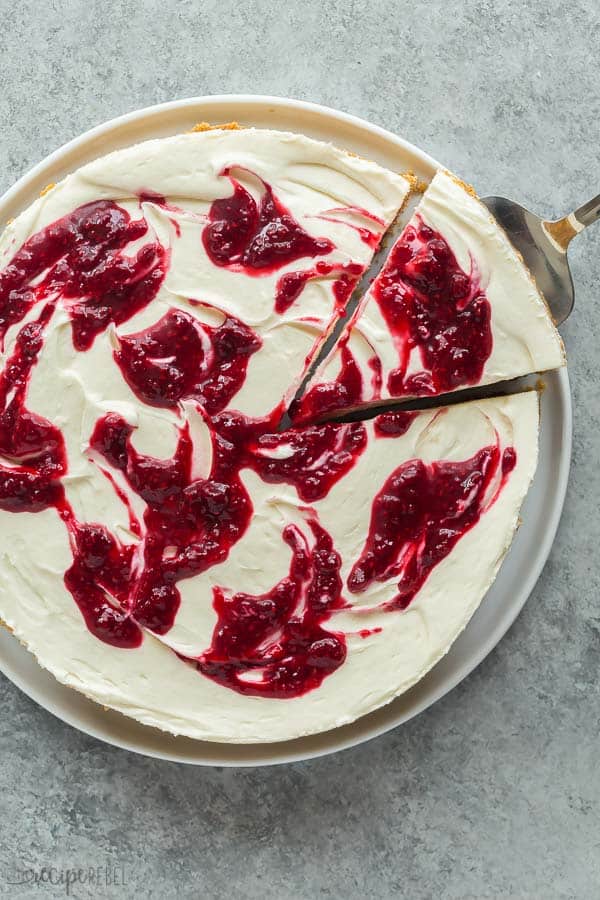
x,y
254,587
453,307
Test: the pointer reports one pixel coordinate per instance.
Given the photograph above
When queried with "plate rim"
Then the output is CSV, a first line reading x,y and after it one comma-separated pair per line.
x,y
269,754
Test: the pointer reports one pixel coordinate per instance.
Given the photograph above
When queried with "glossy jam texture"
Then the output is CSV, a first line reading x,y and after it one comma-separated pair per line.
x,y
279,634
81,258
191,524
32,483
333,396
433,307
33,446
421,512
256,237
291,285
179,358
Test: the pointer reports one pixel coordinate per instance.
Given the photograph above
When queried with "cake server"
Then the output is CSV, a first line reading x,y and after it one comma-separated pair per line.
x,y
543,246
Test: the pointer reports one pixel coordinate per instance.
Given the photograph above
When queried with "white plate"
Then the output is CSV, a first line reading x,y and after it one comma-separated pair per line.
x,y
541,511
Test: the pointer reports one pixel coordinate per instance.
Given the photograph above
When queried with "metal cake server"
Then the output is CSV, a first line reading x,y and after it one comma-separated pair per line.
x,y
543,246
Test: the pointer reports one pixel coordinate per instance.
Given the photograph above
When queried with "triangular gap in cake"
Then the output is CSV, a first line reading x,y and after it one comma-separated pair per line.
x,y
366,412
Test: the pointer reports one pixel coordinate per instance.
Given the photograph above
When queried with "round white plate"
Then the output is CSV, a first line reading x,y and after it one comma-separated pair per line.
x,y
541,511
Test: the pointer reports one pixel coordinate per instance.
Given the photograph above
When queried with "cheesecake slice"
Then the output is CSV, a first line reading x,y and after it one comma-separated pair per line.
x,y
247,586
453,307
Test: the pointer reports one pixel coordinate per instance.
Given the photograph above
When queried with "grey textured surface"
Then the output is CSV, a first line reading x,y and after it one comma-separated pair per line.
x,y
494,792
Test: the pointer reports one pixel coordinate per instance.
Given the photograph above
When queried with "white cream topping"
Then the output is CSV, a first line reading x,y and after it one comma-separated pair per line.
x,y
525,339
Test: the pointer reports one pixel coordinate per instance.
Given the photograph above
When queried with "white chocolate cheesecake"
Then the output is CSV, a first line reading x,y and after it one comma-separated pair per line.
x,y
165,551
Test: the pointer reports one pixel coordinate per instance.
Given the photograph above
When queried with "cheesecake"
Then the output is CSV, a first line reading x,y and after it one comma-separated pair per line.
x,y
453,307
167,549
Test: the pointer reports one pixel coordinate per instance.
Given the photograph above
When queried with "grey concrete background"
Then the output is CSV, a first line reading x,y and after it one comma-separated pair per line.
x,y
495,791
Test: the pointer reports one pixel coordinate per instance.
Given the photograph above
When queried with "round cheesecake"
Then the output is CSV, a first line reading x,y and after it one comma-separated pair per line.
x,y
166,549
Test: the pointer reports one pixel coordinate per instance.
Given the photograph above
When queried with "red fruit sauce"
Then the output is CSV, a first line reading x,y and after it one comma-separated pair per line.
x,y
256,238
279,634
179,358
431,304
291,285
329,397
81,259
420,513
